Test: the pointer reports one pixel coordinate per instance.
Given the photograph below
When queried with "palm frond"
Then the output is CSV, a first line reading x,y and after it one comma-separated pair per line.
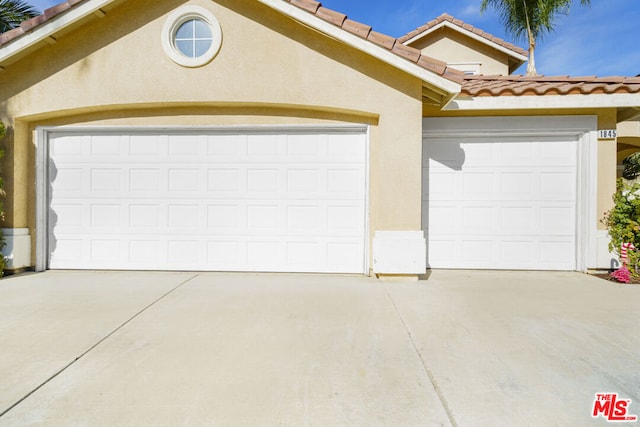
x,y
540,14
13,12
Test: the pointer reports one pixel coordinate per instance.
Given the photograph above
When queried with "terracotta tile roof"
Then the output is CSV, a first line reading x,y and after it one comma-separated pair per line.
x,y
448,18
32,23
366,32
336,18
518,85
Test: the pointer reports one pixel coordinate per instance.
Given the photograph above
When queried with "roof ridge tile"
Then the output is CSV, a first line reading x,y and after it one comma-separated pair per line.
x,y
331,16
465,26
381,39
308,5
357,28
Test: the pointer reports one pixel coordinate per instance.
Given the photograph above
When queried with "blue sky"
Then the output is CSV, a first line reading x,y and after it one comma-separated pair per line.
x,y
602,40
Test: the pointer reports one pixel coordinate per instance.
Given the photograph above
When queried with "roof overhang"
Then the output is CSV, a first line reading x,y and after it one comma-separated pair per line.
x,y
544,102
446,24
46,31
446,89
627,105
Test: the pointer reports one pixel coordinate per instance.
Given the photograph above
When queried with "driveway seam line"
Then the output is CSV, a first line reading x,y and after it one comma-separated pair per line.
x,y
103,339
434,383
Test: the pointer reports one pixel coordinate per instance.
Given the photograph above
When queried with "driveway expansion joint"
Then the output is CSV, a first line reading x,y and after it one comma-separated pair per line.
x,y
103,339
434,383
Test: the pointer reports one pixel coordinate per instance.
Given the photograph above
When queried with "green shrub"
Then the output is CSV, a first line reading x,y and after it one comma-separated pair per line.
x,y
623,221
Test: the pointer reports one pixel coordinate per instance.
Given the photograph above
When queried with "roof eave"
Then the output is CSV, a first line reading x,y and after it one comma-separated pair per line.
x,y
47,30
450,88
447,24
546,102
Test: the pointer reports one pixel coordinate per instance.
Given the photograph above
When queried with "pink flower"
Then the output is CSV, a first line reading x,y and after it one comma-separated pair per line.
x,y
622,275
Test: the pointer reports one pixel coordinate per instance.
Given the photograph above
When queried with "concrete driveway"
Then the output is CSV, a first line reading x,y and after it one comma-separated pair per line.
x,y
460,348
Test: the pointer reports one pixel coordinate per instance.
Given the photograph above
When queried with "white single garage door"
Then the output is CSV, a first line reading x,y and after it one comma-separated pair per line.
x,y
502,202
286,200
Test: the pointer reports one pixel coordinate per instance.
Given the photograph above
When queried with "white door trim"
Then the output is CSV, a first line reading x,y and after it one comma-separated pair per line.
x,y
43,135
584,128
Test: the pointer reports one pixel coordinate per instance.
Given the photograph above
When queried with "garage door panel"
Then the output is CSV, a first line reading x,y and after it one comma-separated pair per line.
x,y
105,216
303,254
438,185
67,216
68,250
517,185
518,220
68,179
442,251
478,184
184,180
145,253
225,180
223,254
558,219
303,180
148,147
144,215
518,253
521,154
478,154
559,153
208,201
557,251
476,219
185,146
303,147
557,185
260,146
262,216
344,219
305,219
343,254
221,217
69,145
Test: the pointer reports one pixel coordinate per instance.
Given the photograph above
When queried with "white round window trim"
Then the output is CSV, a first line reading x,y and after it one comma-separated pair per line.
x,y
174,22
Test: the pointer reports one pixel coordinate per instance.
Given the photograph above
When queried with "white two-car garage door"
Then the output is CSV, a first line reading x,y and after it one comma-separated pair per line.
x,y
289,200
500,202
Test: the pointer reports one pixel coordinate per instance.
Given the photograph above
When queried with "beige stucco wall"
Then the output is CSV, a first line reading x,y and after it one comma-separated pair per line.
x,y
452,47
113,71
607,165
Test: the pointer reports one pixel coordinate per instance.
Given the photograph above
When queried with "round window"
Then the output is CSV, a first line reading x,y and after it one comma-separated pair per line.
x,y
191,36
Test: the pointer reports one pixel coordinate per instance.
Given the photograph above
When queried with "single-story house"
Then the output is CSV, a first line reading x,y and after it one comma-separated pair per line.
x,y
279,135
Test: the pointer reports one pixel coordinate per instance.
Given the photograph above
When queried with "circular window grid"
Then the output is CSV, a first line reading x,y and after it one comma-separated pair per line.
x,y
191,36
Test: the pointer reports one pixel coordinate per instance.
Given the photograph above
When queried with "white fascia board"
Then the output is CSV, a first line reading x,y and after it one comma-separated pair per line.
x,y
531,102
363,45
49,28
468,34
